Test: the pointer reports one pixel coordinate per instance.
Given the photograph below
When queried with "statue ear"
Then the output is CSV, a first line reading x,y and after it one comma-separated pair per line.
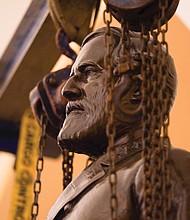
x,y
127,98
136,90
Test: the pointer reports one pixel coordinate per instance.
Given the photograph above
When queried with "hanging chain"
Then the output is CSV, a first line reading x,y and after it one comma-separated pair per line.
x,y
165,71
146,123
157,195
39,168
110,130
157,148
67,167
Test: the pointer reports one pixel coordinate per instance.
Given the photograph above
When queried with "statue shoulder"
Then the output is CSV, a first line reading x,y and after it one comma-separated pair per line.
x,y
177,154
180,167
180,162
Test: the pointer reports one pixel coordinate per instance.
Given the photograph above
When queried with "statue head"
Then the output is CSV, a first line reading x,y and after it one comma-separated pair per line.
x,y
84,129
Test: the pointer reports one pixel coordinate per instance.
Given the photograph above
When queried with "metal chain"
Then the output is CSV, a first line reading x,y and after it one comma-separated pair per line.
x,y
146,123
156,96
39,168
157,195
110,130
165,96
67,167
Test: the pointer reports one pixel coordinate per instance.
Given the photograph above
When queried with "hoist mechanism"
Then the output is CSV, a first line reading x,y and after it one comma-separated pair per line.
x,y
137,11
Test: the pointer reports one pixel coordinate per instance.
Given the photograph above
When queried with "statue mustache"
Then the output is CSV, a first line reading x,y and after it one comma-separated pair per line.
x,y
77,106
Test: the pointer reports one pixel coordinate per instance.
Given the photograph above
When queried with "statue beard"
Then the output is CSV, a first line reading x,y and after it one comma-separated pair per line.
x,y
84,131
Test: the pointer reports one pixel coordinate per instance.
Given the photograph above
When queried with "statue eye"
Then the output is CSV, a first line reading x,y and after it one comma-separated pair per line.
x,y
89,70
91,73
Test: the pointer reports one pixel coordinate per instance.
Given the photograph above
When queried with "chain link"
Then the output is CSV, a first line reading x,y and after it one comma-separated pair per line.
x,y
110,130
39,168
125,61
67,167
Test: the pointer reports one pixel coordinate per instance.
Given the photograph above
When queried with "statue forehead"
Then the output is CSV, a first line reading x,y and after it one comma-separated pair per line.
x,y
93,51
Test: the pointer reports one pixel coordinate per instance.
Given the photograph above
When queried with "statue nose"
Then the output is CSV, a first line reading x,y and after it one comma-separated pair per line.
x,y
71,90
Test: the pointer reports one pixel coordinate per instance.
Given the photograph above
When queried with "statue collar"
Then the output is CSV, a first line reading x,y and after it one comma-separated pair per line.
x,y
125,147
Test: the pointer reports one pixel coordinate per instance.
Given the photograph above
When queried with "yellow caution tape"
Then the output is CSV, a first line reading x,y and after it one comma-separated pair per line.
x,y
27,154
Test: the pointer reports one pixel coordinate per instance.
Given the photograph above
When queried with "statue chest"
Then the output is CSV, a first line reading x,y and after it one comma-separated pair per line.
x,y
94,202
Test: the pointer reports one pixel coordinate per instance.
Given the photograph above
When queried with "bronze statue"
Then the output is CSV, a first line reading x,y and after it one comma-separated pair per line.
x,y
83,131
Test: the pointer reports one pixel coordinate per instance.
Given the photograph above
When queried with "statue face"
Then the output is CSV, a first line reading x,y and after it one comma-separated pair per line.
x,y
83,130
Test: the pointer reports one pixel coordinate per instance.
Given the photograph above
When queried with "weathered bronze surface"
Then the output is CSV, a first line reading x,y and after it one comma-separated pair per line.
x,y
83,131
